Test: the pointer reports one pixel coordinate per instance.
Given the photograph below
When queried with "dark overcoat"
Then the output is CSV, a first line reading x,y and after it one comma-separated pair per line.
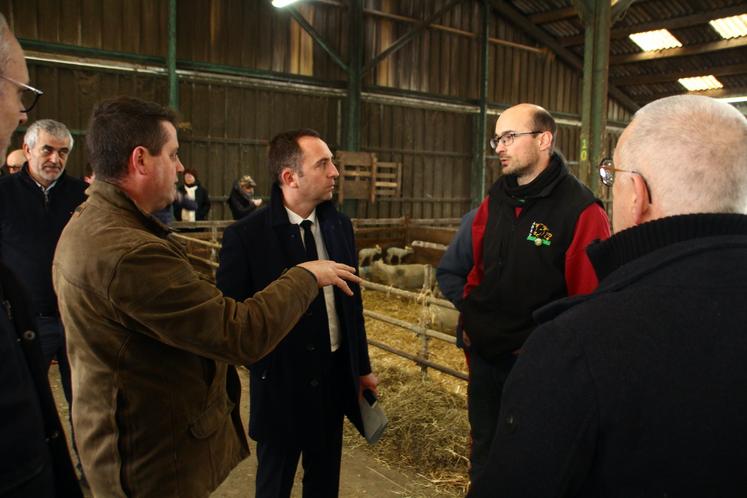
x,y
258,249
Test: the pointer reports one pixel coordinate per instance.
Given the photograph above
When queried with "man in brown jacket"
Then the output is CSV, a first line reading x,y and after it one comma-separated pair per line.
x,y
155,401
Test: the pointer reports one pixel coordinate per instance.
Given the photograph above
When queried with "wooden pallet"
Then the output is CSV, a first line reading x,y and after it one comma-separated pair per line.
x,y
363,177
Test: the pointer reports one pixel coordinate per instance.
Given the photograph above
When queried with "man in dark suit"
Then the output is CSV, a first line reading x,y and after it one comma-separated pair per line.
x,y
301,391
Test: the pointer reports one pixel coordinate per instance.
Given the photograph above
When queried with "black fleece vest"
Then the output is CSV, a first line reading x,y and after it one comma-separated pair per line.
x,y
524,263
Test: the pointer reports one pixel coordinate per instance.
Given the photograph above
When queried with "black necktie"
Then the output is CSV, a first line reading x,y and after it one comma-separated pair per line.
x,y
308,241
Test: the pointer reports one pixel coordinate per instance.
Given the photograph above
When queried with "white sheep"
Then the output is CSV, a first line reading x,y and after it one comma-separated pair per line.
x,y
368,255
410,277
395,255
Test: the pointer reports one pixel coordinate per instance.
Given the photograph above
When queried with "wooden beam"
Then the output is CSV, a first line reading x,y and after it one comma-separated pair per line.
x,y
674,23
553,15
520,20
680,51
647,79
407,37
618,9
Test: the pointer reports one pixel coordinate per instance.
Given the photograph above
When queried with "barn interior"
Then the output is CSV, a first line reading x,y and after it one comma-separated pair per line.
x,y
405,92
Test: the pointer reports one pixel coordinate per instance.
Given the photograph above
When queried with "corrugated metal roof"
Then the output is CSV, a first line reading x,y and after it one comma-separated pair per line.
x,y
687,20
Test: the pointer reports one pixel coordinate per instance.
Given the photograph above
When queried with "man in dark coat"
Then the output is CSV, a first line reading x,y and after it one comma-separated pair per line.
x,y
35,205
241,201
300,391
638,389
34,458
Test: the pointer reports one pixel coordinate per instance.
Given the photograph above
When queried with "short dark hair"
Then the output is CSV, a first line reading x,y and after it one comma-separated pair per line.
x,y
119,125
286,153
543,121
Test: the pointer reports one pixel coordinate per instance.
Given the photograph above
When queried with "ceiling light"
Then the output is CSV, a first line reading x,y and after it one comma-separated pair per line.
x,y
655,40
731,27
282,3
699,83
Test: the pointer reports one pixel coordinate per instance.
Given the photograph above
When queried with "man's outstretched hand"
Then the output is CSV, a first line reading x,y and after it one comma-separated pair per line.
x,y
329,272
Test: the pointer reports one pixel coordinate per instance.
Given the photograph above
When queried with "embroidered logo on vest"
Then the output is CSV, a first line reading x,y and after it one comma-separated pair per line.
x,y
539,234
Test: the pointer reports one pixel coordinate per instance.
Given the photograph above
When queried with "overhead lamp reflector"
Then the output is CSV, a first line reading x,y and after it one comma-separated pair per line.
x,y
700,83
730,27
655,40
282,3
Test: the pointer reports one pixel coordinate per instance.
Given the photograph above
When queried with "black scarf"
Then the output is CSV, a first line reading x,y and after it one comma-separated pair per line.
x,y
522,195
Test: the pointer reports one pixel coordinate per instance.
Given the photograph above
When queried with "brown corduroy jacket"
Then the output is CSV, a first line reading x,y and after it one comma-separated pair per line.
x,y
155,401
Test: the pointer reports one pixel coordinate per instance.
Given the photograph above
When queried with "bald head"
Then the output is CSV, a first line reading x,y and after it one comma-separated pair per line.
x,y
525,140
15,160
692,152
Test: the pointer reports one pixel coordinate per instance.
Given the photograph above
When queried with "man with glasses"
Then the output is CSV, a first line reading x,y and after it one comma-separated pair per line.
x,y
13,163
639,388
528,238
34,458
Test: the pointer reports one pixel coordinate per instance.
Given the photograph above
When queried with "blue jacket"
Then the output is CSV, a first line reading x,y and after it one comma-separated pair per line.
x,y
257,250
455,265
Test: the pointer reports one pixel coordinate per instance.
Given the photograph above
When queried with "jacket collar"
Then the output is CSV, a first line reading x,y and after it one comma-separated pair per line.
x,y
631,244
102,191
27,179
639,251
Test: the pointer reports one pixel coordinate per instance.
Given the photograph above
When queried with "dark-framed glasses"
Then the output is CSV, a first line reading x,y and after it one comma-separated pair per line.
x,y
607,172
508,138
29,94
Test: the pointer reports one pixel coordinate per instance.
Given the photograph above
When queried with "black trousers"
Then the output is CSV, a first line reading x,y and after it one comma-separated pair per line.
x,y
320,449
484,391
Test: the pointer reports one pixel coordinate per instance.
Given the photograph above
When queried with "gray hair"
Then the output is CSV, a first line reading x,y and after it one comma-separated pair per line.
x,y
692,150
54,128
5,39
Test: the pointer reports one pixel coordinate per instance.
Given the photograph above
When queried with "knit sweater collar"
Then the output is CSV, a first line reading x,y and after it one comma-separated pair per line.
x,y
630,244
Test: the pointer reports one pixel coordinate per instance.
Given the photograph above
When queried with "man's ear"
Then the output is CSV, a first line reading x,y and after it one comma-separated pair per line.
x,y
288,177
138,159
640,202
546,140
26,151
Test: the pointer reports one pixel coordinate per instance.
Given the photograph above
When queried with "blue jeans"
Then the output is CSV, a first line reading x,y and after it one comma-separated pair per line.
x,y
52,336
484,392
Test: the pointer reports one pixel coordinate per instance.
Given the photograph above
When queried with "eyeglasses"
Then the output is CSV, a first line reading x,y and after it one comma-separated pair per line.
x,y
508,138
607,175
29,96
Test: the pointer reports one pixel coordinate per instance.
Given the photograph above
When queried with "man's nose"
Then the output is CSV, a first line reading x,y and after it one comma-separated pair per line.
x,y
333,172
179,166
24,117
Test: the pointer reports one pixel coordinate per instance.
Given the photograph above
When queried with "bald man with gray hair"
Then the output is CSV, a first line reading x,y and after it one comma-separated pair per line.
x,y
638,389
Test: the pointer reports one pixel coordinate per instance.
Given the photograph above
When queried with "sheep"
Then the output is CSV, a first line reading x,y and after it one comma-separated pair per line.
x,y
369,255
396,255
410,277
443,319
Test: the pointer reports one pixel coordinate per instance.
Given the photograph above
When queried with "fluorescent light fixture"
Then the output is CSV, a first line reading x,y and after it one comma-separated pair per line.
x,y
700,83
282,3
730,27
655,40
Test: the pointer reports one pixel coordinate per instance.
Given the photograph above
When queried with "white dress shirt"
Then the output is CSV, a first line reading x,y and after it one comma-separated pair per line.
x,y
329,295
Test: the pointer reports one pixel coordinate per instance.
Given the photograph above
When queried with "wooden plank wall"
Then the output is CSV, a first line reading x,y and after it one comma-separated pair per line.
x,y
229,121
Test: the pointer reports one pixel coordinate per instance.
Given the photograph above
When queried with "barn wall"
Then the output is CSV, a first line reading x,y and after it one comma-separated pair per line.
x,y
230,118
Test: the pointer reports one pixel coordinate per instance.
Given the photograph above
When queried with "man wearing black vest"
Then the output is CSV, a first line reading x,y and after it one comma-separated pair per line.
x,y
300,391
529,239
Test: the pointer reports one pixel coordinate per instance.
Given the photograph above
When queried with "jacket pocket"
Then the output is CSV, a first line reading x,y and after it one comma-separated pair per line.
x,y
212,418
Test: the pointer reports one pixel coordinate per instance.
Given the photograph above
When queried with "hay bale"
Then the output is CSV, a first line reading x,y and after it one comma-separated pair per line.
x,y
428,427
